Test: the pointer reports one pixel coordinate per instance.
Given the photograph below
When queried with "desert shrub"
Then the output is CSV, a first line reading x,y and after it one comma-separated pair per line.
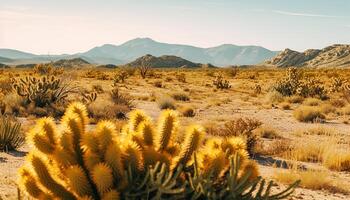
x,y
285,105
158,84
180,96
337,159
120,98
11,137
257,89
268,132
220,83
232,71
120,76
96,74
337,84
181,77
312,102
294,84
312,87
290,83
338,103
107,110
48,69
6,86
43,91
243,128
166,102
295,99
188,112
308,114
274,97
141,162
277,147
327,108
98,88
311,179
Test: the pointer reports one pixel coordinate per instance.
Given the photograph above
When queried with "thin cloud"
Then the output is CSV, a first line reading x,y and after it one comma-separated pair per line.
x,y
304,14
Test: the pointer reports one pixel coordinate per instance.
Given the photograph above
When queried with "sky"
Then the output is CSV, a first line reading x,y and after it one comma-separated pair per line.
x,y
71,26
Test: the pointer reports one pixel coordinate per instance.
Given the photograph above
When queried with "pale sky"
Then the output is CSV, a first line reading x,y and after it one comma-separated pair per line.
x,y
71,26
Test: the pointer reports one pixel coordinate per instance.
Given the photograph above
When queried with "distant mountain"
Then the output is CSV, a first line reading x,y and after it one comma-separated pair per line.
x,y
222,55
337,55
163,61
5,60
15,54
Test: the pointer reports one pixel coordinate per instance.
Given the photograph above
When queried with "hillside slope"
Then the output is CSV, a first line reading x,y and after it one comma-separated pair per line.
x,y
337,55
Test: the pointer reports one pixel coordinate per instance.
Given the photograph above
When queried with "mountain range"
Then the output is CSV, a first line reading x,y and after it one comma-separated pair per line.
x,y
222,55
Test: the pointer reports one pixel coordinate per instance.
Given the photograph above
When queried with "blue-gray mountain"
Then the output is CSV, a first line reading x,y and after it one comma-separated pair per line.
x,y
222,55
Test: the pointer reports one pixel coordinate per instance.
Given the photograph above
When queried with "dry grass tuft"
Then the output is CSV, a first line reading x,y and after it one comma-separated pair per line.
x,y
308,114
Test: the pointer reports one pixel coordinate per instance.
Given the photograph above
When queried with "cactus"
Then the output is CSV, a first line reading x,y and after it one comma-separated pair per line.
x,y
142,161
220,83
42,91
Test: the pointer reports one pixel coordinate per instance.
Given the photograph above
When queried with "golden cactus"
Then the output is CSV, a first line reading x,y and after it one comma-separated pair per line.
x,y
103,163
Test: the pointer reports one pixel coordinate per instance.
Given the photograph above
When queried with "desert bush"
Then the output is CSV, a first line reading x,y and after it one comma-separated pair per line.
x,y
120,98
312,87
232,71
43,91
268,132
243,128
220,83
6,86
166,102
308,114
274,97
337,159
312,102
144,68
290,84
180,96
277,147
158,84
337,84
48,69
257,89
11,137
96,74
311,179
97,88
327,108
102,110
295,99
285,105
120,76
188,112
181,77
141,162
294,84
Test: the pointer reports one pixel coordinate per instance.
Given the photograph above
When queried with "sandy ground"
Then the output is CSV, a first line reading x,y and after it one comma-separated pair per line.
x,y
237,106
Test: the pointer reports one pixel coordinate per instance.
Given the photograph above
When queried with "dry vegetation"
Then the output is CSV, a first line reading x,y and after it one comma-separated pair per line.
x,y
294,122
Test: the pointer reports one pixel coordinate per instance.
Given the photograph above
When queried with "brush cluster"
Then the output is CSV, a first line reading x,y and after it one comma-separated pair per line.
x,y
142,161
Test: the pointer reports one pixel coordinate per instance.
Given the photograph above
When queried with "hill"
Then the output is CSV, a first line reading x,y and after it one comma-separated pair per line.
x,y
163,61
337,55
75,62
